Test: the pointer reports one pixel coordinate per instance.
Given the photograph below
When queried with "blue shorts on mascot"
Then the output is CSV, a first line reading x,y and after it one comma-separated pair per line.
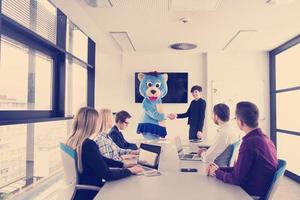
x,y
153,87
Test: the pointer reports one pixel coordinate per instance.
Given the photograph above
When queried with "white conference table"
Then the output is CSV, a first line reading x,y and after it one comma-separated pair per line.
x,y
172,184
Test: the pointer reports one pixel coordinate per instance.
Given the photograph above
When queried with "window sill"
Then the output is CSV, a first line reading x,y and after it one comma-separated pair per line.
x,y
27,121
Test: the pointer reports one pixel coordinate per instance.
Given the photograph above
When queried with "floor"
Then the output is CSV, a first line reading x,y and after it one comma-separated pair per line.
x,y
287,190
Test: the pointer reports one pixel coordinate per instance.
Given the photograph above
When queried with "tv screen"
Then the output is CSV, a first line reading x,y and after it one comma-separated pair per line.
x,y
177,88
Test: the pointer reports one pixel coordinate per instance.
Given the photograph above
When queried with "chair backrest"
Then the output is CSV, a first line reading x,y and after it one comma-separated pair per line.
x,y
69,160
235,147
224,158
276,178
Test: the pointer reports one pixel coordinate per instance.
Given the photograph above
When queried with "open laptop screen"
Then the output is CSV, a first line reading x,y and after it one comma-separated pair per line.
x,y
149,155
147,158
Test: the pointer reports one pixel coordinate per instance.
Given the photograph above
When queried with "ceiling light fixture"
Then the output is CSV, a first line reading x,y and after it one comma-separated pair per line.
x,y
183,46
92,3
282,2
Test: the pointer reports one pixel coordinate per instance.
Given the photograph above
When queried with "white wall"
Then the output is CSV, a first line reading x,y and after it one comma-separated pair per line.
x,y
115,81
240,68
108,81
192,63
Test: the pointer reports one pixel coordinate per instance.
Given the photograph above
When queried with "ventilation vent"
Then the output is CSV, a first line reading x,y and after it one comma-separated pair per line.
x,y
123,41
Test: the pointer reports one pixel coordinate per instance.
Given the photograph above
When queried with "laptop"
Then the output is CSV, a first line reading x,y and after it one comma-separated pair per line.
x,y
182,155
149,159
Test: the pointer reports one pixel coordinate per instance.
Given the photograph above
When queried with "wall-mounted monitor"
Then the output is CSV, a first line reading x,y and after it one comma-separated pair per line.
x,y
177,88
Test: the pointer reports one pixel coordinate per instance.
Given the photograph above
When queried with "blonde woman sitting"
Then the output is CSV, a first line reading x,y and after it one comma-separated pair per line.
x,y
93,168
105,144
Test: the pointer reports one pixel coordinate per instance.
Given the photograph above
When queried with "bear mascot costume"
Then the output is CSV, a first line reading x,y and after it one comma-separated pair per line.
x,y
153,87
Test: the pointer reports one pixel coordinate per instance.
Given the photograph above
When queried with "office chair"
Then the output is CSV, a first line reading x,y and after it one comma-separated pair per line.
x,y
228,156
69,160
235,147
276,179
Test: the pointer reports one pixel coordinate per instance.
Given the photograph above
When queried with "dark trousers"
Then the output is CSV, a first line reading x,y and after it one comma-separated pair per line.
x,y
193,133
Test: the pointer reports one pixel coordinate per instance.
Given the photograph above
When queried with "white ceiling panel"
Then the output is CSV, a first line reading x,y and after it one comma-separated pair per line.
x,y
153,25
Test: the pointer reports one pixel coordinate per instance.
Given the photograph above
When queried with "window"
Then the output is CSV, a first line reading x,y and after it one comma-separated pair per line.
x,y
76,87
38,16
29,153
287,146
285,107
12,154
27,79
77,41
287,68
41,83
288,110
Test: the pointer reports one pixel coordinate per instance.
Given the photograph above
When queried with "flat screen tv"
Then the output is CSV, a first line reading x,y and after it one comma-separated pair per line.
x,y
177,88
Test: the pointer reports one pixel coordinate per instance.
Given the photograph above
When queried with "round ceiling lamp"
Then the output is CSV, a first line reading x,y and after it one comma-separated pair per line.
x,y
183,46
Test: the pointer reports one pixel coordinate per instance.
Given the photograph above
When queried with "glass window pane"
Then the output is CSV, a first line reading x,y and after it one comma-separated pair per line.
x,y
25,82
33,156
47,159
76,87
288,148
12,157
43,76
77,41
288,109
288,68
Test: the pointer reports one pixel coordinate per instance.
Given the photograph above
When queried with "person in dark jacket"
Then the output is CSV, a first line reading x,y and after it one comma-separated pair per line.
x,y
195,114
93,168
122,121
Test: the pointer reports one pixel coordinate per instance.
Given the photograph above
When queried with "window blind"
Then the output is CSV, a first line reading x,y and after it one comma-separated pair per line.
x,y
36,15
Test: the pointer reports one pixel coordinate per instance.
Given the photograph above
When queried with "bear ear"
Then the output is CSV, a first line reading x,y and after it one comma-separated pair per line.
x,y
140,76
165,76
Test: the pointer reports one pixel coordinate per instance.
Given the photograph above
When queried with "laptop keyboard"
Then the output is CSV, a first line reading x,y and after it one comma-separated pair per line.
x,y
146,168
188,156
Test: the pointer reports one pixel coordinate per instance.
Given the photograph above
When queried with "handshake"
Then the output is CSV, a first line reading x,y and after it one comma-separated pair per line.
x,y
172,116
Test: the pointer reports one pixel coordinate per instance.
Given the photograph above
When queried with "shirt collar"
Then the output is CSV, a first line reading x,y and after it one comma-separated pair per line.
x,y
222,127
252,133
116,128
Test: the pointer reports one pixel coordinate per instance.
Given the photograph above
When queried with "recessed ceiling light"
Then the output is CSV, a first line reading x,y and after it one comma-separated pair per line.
x,y
99,3
183,46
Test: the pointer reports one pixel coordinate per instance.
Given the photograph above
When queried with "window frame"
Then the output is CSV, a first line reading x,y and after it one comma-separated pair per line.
x,y
58,53
16,32
273,91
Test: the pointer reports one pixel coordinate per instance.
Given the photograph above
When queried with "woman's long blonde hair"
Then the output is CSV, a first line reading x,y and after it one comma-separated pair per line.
x,y
85,124
105,120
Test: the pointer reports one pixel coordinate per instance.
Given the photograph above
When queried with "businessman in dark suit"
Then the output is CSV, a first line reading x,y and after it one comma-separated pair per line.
x,y
195,114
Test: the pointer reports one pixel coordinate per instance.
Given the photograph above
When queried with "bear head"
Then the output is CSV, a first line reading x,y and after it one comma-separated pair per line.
x,y
153,85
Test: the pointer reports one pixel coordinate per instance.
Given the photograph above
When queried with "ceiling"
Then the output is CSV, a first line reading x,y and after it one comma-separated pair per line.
x,y
152,25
